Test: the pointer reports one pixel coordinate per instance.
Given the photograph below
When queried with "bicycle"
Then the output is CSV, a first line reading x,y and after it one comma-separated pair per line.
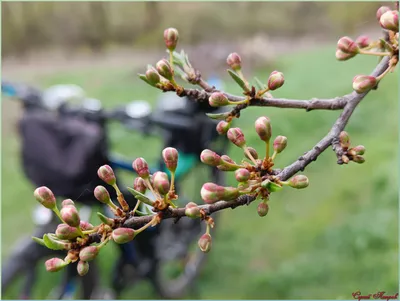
x,y
184,126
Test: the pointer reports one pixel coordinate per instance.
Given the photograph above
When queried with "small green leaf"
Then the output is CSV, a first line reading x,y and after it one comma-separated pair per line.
x,y
104,219
218,116
143,77
180,73
148,210
53,244
238,80
259,85
271,186
140,197
142,213
178,59
39,241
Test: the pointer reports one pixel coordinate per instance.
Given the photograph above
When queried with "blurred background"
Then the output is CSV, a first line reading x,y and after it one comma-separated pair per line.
x,y
336,237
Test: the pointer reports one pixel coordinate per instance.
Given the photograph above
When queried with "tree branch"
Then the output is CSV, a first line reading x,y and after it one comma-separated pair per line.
x,y
351,101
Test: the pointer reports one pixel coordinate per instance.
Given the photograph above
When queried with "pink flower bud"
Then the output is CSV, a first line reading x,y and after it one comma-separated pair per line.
x,y
82,268
170,157
263,128
152,76
123,235
344,140
236,136
390,20
211,193
86,226
205,243
141,167
88,253
252,152
102,195
106,174
228,159
223,127
358,159
364,83
55,264
381,11
342,56
64,231
45,197
218,99
139,185
70,215
67,202
280,143
242,175
161,182
299,182
362,41
210,158
275,80
165,69
262,209
347,45
234,61
192,210
357,150
171,37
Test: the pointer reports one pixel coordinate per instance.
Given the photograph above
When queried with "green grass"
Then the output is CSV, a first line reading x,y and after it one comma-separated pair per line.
x,y
325,242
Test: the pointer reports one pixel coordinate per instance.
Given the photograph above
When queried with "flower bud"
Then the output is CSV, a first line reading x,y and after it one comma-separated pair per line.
x,y
345,159
234,61
161,182
210,158
211,193
139,185
390,20
236,136
280,143
381,11
141,167
344,140
263,128
218,99
223,127
262,209
55,264
275,80
342,56
192,210
171,37
123,235
152,76
106,173
102,195
67,202
70,215
45,197
88,253
205,243
357,150
299,182
359,159
362,41
64,231
85,226
347,45
364,83
82,268
170,157
165,69
242,175
228,159
252,152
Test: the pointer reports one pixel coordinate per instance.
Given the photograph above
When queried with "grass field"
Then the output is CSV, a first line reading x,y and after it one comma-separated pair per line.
x,y
338,236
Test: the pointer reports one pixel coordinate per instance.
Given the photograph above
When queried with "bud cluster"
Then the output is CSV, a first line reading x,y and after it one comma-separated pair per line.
x,y
354,154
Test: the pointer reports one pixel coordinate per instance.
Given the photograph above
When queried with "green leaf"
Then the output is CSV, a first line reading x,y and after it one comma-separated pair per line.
x,y
271,186
238,80
148,210
180,73
259,85
143,77
178,59
104,219
39,241
142,213
218,116
53,244
140,197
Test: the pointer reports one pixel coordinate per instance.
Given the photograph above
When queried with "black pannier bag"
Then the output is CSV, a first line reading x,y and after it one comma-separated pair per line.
x,y
63,153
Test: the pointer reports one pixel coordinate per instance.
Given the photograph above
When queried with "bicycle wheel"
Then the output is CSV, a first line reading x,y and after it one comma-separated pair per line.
x,y
179,259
